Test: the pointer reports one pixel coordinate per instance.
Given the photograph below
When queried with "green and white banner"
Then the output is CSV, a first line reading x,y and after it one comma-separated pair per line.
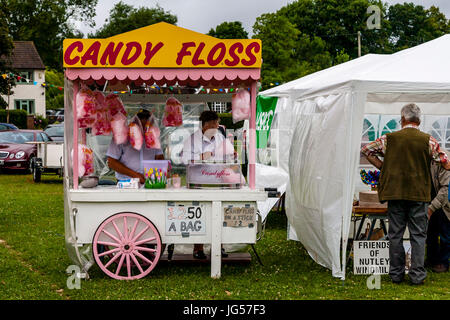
x,y
265,110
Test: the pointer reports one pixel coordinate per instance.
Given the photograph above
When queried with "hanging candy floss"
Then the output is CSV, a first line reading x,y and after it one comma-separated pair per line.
x,y
85,108
135,134
85,161
173,114
119,128
240,105
99,100
114,105
151,135
102,124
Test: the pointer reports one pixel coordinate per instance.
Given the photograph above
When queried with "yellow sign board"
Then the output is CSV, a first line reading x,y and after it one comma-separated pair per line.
x,y
162,45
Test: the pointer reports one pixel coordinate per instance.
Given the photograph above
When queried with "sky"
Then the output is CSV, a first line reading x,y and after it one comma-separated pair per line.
x,y
202,15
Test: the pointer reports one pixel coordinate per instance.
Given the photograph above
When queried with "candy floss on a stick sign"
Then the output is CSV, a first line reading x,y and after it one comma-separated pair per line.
x,y
162,45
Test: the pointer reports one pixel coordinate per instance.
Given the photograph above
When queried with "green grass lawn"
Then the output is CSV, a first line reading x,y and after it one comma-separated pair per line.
x,y
33,262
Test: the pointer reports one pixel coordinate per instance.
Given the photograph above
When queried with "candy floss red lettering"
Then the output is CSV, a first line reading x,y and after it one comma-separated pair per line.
x,y
220,46
111,53
249,53
184,51
75,45
149,52
92,53
126,60
235,46
195,60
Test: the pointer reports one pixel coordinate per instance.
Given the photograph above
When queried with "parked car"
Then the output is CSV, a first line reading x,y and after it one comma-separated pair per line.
x,y
60,115
7,126
50,112
55,131
15,152
55,115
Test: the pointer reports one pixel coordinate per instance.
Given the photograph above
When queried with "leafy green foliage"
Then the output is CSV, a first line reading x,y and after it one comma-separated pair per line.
x,y
6,47
17,117
278,37
40,122
411,24
288,53
229,30
124,17
54,98
47,23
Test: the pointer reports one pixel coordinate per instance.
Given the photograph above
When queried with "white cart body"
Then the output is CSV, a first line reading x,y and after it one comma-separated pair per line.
x,y
89,208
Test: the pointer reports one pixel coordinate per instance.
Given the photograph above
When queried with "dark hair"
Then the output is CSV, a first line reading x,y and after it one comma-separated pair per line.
x,y
208,116
143,114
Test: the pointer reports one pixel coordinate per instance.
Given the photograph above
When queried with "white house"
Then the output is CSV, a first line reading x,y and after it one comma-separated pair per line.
x,y
28,94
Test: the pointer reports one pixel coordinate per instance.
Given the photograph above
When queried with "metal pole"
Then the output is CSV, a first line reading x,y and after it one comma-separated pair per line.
x,y
359,43
9,92
252,138
76,87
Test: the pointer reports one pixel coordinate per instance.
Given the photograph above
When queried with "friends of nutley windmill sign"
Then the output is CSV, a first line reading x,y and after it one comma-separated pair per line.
x,y
372,257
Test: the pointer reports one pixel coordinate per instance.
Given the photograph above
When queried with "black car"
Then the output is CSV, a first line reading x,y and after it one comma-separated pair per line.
x,y
55,115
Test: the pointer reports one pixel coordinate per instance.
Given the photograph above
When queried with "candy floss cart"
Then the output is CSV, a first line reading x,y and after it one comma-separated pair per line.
x,y
123,227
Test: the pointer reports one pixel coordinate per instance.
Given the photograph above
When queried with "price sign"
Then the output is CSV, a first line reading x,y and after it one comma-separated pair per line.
x,y
185,220
237,216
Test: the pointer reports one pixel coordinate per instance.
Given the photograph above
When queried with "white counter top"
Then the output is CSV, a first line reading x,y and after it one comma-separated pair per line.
x,y
113,194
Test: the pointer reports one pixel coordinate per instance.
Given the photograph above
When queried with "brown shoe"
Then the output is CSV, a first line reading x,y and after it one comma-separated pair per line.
x,y
439,268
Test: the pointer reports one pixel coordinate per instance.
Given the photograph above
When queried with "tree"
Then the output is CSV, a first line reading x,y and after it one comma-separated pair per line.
x,y
123,18
412,24
278,37
337,22
54,98
47,23
229,30
6,48
307,36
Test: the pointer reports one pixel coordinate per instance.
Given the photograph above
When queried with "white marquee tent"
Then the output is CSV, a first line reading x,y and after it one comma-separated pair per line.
x,y
320,120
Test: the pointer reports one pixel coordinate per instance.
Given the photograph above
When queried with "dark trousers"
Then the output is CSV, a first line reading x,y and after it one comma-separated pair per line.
x,y
438,239
411,214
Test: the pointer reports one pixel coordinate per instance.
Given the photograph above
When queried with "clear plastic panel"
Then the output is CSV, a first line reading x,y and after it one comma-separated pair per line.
x,y
171,138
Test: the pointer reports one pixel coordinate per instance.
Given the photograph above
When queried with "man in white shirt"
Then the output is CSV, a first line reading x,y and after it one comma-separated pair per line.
x,y
201,145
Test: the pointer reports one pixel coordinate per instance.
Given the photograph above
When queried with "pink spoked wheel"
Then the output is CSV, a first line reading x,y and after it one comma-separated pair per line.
x,y
127,246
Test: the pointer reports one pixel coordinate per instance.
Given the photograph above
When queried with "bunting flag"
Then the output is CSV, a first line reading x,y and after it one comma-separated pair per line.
x,y
163,89
18,78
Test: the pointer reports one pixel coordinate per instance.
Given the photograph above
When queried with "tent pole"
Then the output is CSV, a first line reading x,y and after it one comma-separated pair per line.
x,y
75,136
252,137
